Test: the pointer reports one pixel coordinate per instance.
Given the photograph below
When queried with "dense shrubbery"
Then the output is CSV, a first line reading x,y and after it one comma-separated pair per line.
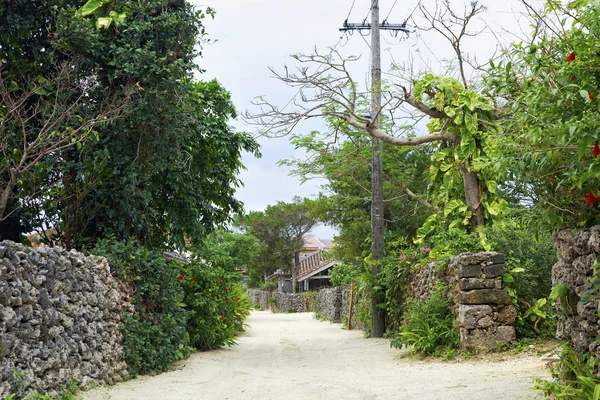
x,y
534,255
155,334
573,377
178,307
428,325
217,303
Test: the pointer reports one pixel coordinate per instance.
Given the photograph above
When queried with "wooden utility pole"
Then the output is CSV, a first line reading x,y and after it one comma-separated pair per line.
x,y
377,224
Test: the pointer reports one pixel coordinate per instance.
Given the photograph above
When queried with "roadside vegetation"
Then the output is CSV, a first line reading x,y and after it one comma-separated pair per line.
x,y
111,145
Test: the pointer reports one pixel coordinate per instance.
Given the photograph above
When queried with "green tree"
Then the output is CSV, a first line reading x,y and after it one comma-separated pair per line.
x,y
346,165
166,172
230,250
548,87
280,229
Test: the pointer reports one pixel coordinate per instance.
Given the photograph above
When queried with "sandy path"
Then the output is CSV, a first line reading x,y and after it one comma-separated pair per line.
x,y
294,356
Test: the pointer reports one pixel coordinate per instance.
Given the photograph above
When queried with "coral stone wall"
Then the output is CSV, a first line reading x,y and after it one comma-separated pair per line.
x,y
329,303
577,322
259,297
59,318
484,310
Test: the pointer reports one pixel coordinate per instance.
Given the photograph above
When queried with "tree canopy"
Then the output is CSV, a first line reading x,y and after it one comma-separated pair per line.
x,y
165,171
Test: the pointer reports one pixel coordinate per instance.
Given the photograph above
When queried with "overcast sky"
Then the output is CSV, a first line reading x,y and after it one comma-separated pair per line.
x,y
252,35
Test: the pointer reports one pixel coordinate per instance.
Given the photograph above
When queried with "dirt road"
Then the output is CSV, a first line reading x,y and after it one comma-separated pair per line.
x,y
294,356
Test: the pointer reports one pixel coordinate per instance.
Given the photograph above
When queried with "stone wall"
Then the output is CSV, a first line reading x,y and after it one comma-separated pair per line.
x,y
329,303
422,281
59,318
259,297
483,310
577,322
287,302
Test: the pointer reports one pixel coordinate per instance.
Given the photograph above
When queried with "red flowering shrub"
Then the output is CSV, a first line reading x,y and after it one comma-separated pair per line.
x,y
206,299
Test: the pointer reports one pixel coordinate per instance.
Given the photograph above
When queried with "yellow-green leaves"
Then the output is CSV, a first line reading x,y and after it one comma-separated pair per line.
x,y
90,7
94,7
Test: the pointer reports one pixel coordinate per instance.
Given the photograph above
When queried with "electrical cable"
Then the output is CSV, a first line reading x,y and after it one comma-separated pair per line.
x,y
351,7
385,19
411,13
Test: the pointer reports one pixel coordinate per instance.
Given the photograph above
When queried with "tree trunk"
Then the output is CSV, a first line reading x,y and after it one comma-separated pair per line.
x,y
7,191
473,197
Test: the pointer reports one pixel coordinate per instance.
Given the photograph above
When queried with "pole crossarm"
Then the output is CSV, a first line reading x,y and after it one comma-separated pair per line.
x,y
351,26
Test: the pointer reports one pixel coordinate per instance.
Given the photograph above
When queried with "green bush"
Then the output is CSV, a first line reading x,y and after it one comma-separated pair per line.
x,y
572,378
178,307
216,303
534,255
342,274
309,301
155,333
428,326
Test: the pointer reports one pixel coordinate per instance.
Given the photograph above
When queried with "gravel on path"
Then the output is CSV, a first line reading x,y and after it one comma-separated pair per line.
x,y
294,356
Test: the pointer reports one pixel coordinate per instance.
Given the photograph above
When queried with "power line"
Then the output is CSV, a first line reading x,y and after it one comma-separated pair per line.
x,y
412,12
393,5
351,7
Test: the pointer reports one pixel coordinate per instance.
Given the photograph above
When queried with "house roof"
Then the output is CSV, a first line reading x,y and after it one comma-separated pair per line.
x,y
314,244
321,268
313,264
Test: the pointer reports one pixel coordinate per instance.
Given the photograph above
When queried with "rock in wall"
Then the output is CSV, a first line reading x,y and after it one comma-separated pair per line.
x,y
59,320
577,322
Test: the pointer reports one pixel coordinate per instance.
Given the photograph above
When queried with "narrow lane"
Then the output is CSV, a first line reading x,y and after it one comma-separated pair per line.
x,y
294,356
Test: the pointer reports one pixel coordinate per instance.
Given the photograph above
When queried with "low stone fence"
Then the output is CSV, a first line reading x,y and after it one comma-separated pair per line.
x,y
59,318
483,310
577,321
259,297
329,303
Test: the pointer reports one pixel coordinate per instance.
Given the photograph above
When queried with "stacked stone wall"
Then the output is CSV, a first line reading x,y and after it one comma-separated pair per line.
x,y
59,320
329,303
577,321
287,302
260,297
483,310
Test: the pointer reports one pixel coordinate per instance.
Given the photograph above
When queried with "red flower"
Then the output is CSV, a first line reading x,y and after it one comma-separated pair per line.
x,y
220,280
591,199
243,272
226,301
592,97
571,57
532,79
222,316
180,277
193,279
225,289
596,150
572,78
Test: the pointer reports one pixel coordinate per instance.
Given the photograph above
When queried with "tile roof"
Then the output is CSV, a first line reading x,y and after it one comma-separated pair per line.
x,y
314,262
